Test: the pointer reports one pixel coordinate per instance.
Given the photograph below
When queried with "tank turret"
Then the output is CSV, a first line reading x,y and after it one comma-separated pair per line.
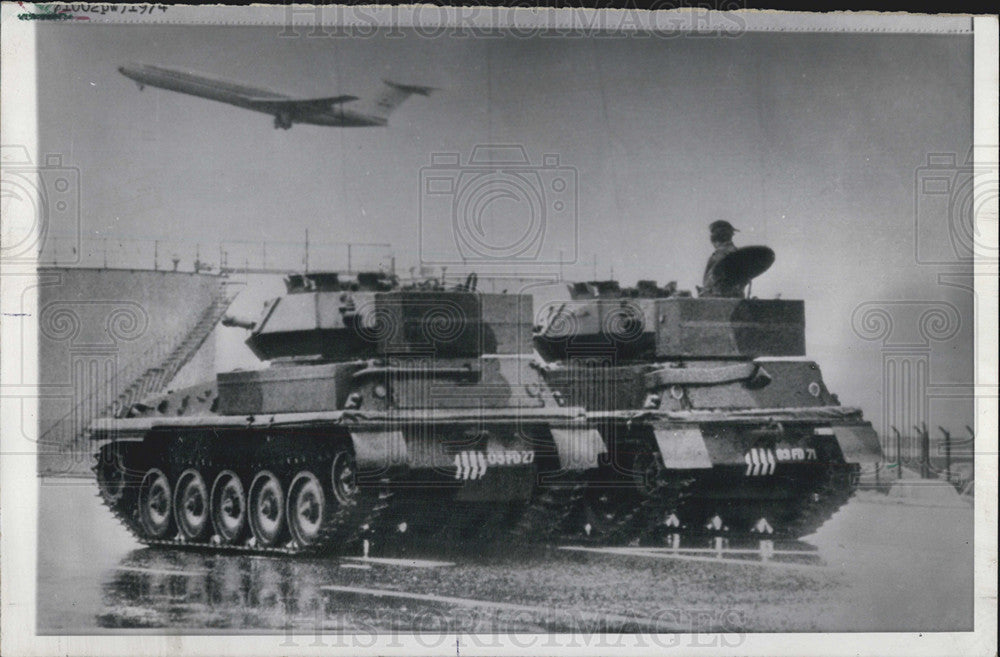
x,y
329,335
318,317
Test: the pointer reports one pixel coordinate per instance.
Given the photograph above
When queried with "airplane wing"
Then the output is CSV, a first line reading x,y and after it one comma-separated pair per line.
x,y
298,106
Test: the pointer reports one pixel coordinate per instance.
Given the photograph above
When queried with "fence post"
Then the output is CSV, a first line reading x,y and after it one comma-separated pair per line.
x,y
899,453
947,454
925,449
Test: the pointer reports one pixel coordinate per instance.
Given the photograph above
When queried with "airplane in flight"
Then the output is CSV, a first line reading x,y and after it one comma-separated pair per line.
x,y
330,111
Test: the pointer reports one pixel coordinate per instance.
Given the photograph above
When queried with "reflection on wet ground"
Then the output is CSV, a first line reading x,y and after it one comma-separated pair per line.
x,y
534,589
159,588
861,571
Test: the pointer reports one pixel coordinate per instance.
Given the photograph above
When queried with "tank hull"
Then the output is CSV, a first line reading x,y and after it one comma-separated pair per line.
x,y
539,473
403,464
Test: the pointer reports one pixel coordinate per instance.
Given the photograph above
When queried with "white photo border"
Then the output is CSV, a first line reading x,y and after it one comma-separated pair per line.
x,y
19,497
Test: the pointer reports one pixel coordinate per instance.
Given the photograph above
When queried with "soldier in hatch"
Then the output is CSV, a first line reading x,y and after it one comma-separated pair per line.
x,y
722,239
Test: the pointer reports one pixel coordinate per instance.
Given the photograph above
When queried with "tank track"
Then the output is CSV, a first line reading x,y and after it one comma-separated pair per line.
x,y
789,519
342,527
833,492
539,521
556,512
640,519
545,517
793,519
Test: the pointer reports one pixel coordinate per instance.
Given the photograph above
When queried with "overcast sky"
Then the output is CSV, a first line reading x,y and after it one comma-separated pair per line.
x,y
808,143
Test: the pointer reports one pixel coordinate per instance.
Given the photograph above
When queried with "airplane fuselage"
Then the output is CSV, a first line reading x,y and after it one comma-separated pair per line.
x,y
248,97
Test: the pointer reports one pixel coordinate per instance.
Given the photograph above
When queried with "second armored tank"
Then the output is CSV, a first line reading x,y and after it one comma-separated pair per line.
x,y
712,416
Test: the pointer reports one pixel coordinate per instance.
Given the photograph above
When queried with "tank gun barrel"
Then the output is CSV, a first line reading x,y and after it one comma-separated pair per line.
x,y
242,322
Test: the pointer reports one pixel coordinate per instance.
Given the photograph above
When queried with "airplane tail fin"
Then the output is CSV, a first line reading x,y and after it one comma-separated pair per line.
x,y
392,96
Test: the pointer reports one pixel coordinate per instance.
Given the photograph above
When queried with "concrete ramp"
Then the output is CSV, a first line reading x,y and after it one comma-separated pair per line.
x,y
926,492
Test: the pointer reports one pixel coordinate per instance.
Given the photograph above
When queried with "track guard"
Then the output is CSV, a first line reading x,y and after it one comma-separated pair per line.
x,y
378,451
682,448
858,443
579,448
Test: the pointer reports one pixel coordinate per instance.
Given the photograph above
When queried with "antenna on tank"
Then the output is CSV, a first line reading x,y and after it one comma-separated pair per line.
x,y
305,260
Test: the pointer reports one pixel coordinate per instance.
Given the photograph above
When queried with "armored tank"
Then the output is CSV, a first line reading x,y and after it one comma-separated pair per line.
x,y
712,417
382,408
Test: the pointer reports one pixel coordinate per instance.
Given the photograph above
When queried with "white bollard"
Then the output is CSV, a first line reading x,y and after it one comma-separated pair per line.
x,y
364,548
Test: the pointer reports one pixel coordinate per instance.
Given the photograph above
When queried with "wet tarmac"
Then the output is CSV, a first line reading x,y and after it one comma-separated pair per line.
x,y
875,566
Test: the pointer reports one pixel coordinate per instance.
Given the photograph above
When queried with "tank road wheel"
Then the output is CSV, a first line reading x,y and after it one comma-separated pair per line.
x,y
344,479
191,505
267,509
155,504
229,508
112,477
307,507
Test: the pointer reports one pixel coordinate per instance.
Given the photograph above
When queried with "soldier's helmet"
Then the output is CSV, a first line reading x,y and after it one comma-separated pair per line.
x,y
721,230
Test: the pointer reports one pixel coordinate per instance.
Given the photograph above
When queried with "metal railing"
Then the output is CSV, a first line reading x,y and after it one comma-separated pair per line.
x,y
230,256
914,449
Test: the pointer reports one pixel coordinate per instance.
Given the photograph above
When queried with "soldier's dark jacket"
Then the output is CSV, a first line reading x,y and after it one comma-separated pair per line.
x,y
711,286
